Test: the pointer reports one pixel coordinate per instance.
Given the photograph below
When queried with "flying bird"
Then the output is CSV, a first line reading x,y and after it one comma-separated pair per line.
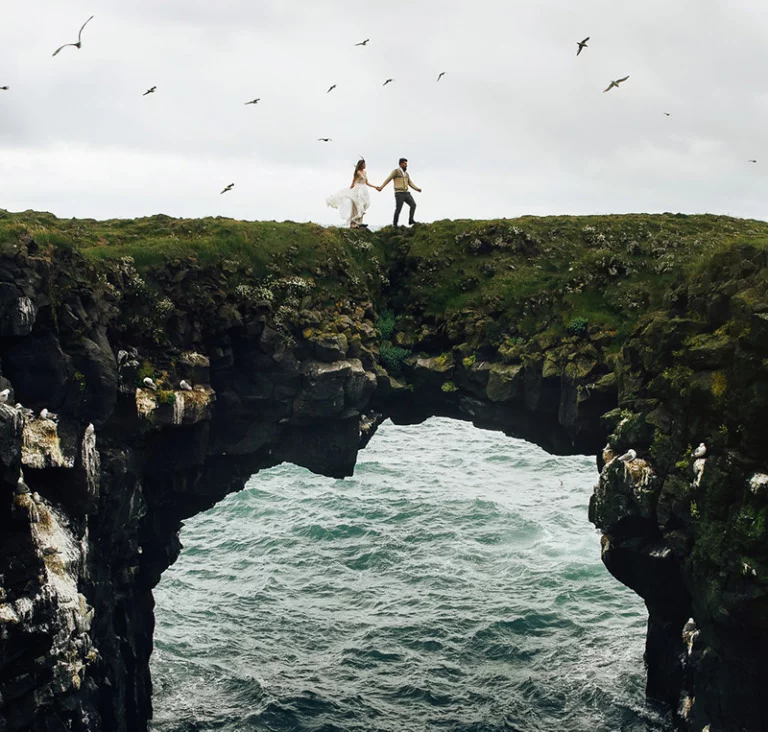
x,y
363,43
751,161
615,84
666,114
700,451
185,386
333,86
388,81
627,457
149,91
4,88
147,381
79,35
4,394
324,139
582,45
440,75
228,188
254,101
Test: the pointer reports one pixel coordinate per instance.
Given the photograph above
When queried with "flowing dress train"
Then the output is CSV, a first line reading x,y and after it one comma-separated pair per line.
x,y
352,203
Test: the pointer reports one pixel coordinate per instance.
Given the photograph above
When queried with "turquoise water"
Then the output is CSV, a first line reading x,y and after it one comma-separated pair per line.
x,y
453,584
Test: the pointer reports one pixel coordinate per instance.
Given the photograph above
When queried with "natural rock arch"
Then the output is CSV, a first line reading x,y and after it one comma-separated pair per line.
x,y
90,516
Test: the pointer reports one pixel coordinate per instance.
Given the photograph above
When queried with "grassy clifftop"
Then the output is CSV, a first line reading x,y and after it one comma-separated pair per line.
x,y
490,282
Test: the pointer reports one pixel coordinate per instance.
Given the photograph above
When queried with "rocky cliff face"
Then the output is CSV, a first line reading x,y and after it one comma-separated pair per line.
x,y
92,496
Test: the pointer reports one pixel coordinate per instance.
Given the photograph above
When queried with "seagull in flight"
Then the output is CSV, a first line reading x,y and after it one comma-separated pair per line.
x,y
4,88
666,114
333,86
388,81
228,188
254,101
324,139
79,35
751,161
582,45
615,84
363,43
149,91
440,75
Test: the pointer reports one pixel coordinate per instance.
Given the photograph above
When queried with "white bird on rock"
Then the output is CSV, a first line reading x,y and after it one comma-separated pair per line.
x,y
700,451
628,456
185,385
45,414
149,383
4,394
90,429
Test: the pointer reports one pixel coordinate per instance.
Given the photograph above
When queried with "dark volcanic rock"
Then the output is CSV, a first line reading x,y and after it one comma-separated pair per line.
x,y
91,503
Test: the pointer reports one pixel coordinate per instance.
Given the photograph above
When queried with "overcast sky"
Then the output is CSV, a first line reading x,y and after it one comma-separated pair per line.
x,y
517,125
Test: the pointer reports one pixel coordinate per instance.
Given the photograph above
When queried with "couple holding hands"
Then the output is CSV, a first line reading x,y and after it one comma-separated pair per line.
x,y
353,202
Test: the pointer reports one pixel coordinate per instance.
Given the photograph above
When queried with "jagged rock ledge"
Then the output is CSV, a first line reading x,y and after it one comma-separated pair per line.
x,y
303,367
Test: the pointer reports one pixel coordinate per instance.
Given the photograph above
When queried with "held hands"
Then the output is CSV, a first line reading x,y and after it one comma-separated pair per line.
x,y
378,188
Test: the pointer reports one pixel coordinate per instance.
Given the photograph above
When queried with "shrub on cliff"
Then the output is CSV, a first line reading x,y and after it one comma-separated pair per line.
x,y
392,357
386,324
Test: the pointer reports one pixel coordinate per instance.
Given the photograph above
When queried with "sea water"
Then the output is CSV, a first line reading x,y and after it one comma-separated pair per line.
x,y
454,583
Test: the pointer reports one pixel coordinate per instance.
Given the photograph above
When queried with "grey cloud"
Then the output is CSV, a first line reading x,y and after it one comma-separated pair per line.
x,y
517,125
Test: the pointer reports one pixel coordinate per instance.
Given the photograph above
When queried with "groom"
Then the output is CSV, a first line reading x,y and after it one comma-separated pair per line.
x,y
402,194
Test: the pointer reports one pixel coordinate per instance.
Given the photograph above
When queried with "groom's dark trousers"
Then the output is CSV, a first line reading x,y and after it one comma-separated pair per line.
x,y
400,199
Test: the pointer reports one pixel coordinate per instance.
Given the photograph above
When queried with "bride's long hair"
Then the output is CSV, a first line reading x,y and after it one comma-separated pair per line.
x,y
360,165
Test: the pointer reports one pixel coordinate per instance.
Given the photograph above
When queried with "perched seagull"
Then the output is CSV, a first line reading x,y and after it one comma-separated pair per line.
x,y
388,81
90,429
333,86
324,139
440,75
700,451
28,413
228,188
149,383
582,45
4,394
149,91
45,414
79,34
627,457
615,84
184,385
363,43
254,101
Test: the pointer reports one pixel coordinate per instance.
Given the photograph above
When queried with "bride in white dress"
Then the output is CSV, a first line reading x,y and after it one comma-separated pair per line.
x,y
353,202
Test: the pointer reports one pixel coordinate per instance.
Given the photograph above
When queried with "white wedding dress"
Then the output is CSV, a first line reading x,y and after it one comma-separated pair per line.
x,y
352,203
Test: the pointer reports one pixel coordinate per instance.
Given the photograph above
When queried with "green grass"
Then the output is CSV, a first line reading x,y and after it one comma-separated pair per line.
x,y
528,274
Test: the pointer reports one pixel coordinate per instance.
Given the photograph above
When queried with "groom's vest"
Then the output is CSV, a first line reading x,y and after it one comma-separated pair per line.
x,y
402,180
